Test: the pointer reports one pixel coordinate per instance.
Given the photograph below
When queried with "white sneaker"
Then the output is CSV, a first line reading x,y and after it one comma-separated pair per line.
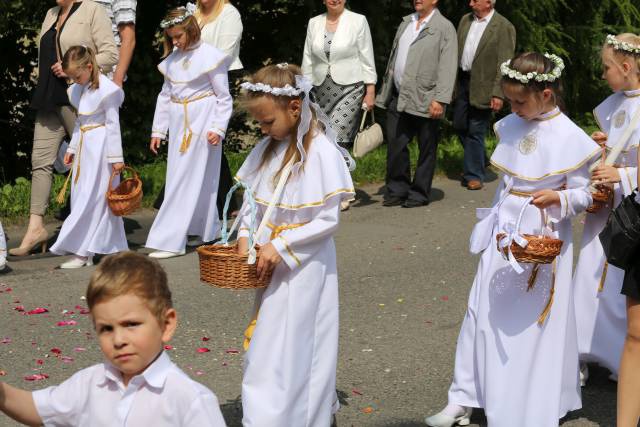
x,y
77,262
165,254
195,241
443,420
584,374
3,265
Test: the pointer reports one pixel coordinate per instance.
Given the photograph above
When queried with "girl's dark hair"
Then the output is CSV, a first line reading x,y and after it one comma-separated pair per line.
x,y
189,26
79,57
530,62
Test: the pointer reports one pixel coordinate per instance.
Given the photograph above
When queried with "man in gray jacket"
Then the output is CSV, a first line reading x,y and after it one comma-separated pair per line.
x,y
417,86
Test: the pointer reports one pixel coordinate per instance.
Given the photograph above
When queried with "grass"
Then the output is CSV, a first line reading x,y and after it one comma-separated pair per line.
x,y
14,197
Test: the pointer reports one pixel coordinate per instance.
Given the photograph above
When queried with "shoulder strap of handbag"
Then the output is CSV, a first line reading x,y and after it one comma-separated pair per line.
x,y
622,142
364,118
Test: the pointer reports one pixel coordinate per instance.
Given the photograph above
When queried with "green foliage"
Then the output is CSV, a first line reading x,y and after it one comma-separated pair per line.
x,y
274,31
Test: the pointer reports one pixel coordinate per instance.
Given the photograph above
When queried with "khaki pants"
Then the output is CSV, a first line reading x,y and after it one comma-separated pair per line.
x,y
51,128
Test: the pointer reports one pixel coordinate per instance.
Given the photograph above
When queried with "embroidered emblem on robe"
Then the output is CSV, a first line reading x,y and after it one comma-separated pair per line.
x,y
528,144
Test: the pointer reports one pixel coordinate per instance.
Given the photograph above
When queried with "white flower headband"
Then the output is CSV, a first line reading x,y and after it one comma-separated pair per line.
x,y
555,74
286,90
623,46
189,10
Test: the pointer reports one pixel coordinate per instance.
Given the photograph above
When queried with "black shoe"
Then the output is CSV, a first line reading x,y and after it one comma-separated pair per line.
x,y
393,201
410,203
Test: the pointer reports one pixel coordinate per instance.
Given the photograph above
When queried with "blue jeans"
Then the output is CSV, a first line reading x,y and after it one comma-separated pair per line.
x,y
471,124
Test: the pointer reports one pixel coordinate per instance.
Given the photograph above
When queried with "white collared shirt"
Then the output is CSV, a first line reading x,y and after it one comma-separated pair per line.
x,y
473,40
409,35
163,395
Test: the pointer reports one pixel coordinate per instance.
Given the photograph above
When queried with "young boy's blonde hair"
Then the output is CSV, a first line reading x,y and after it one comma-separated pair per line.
x,y
131,273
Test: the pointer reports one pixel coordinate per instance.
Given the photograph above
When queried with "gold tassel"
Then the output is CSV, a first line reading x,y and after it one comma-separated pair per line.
x,y
547,309
248,333
532,277
63,191
604,276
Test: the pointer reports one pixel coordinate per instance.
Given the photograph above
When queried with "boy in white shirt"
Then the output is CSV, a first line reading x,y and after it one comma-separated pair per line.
x,y
131,308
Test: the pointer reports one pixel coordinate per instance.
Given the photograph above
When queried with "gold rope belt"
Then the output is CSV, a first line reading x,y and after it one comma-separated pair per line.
x,y
83,130
188,133
275,232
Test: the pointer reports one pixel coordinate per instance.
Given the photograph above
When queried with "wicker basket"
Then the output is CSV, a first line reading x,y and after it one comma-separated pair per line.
x,y
127,196
601,198
540,249
222,267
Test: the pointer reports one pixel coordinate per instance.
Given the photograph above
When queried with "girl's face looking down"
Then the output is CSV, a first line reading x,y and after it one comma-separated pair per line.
x,y
178,37
80,76
275,120
528,104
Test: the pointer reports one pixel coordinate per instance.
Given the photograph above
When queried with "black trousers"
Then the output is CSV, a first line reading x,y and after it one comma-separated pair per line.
x,y
401,129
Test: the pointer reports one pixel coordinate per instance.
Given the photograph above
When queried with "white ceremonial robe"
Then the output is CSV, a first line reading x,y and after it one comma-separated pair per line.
x,y
601,315
290,367
91,227
195,82
521,372
3,245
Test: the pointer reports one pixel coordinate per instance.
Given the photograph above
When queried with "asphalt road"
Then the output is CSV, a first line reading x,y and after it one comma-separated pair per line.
x,y
404,279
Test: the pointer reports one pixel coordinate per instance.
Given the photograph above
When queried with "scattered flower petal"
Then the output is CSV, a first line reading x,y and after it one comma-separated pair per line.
x,y
199,373
3,373
66,359
168,347
19,308
203,350
232,351
38,310
367,410
444,298
56,351
39,362
79,349
36,377
67,323
205,338
5,340
356,392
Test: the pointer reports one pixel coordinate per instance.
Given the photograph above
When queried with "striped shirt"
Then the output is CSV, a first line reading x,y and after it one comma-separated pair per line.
x,y
120,12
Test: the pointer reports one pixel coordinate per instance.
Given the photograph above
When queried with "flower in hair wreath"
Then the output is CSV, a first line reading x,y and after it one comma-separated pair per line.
x,y
622,46
524,78
286,90
189,10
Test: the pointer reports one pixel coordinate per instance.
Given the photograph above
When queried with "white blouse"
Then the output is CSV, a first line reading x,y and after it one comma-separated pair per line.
x,y
225,33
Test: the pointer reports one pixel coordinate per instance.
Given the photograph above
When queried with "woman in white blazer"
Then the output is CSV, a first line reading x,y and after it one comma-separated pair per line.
x,y
338,58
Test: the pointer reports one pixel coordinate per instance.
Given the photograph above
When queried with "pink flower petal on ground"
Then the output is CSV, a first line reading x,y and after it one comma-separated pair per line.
x,y
56,351
198,373
444,298
79,349
19,308
2,373
356,392
203,350
67,323
66,359
168,347
232,351
205,338
38,310
39,362
84,311
36,377
5,341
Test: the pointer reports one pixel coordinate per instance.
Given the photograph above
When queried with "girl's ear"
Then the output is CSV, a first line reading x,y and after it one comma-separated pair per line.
x,y
626,67
295,107
547,95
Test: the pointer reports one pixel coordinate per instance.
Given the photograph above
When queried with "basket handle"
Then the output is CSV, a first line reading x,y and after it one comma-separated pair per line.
x,y
115,172
252,208
513,235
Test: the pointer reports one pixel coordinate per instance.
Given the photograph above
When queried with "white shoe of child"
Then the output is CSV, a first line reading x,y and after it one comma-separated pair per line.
x,y
584,374
77,262
3,265
165,254
450,416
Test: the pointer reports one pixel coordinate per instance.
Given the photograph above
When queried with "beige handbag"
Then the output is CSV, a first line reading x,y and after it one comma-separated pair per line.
x,y
367,139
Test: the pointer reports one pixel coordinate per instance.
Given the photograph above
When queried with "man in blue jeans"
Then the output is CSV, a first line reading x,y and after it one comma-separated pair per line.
x,y
486,39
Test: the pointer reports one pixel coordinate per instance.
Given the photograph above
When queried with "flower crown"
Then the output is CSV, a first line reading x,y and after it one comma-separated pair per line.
x,y
622,46
286,90
555,74
189,10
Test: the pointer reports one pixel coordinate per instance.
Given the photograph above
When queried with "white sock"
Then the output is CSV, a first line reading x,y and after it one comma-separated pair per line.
x,y
453,410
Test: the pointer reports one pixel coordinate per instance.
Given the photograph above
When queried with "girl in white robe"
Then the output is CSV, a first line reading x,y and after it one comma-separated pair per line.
x,y
3,250
600,308
192,112
290,366
95,150
516,355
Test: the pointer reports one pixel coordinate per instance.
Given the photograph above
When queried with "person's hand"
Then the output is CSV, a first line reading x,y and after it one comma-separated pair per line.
x,y
436,110
155,144
369,101
118,79
605,174
68,158
117,167
58,71
600,138
213,138
544,198
496,104
243,245
268,258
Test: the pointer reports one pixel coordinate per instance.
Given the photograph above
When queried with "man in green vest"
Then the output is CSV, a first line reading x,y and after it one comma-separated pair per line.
x,y
486,39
